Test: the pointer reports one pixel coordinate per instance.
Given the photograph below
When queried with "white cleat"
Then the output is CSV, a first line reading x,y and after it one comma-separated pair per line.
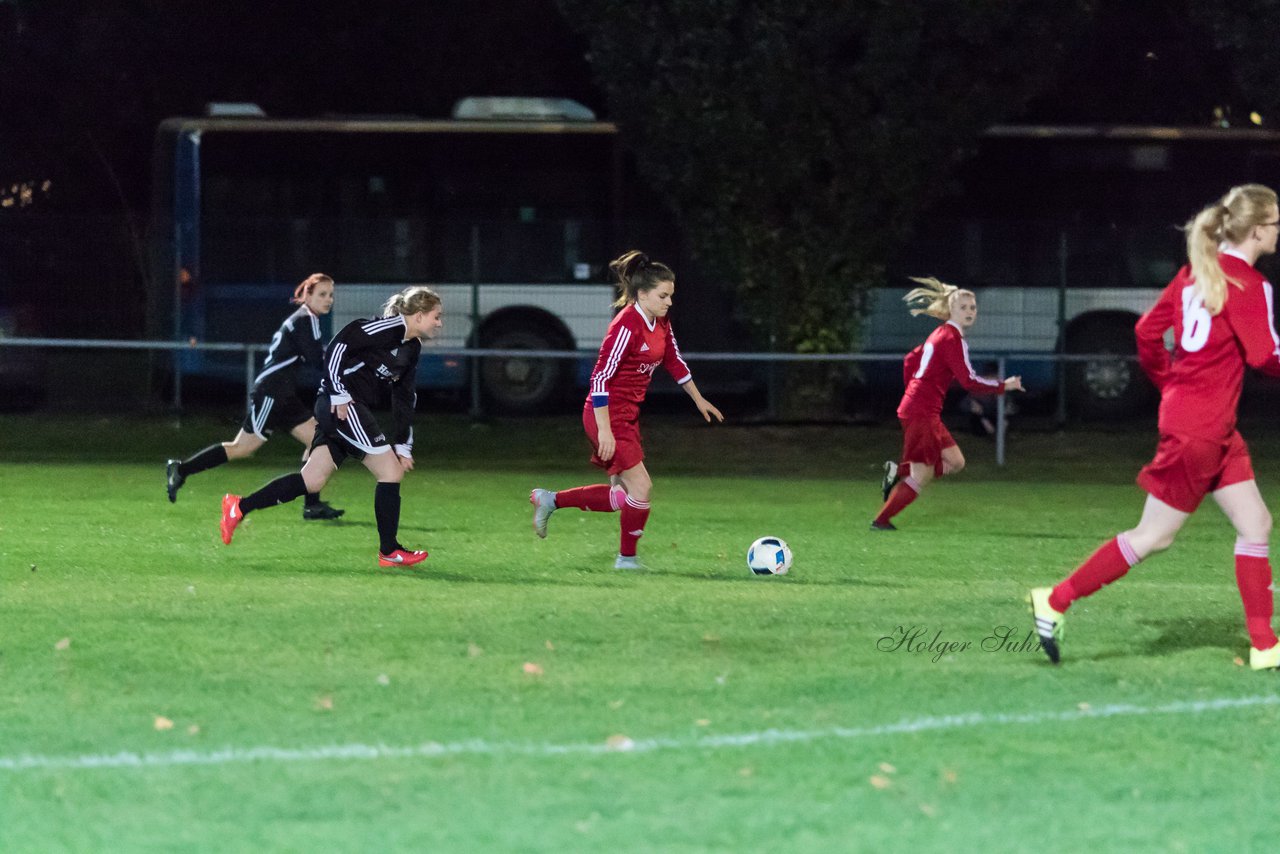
x,y
889,479
1264,659
627,562
544,504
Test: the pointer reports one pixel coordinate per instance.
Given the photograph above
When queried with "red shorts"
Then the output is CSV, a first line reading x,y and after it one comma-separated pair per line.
x,y
923,441
1186,469
624,420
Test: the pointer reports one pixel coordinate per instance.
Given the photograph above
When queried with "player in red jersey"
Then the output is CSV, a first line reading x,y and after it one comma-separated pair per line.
x,y
928,451
638,341
1220,310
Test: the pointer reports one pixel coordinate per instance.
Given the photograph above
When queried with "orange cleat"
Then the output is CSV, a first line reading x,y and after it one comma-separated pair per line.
x,y
401,557
231,516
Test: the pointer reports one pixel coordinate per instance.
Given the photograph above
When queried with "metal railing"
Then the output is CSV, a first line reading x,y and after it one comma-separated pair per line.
x,y
252,351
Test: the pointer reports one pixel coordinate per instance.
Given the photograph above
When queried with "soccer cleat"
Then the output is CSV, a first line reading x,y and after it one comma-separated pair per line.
x,y
1048,622
231,516
889,479
173,479
321,510
544,504
1264,659
401,557
627,562
877,525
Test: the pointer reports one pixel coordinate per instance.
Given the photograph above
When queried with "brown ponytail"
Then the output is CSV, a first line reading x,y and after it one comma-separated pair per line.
x,y
636,274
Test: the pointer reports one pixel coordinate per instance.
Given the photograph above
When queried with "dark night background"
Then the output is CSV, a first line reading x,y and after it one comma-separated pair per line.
x,y
86,81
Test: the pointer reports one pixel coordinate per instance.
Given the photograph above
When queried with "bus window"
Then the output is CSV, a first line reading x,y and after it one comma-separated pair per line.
x,y
515,218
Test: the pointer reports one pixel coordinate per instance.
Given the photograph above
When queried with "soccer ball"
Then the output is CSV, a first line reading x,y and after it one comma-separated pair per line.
x,y
769,556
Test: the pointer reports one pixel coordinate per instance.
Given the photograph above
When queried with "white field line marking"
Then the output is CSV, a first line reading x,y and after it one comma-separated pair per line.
x,y
480,747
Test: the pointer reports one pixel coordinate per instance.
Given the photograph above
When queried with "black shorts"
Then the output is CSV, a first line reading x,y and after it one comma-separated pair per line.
x,y
271,412
355,438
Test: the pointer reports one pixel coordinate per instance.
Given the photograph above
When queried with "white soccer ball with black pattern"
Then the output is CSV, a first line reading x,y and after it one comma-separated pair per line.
x,y
769,556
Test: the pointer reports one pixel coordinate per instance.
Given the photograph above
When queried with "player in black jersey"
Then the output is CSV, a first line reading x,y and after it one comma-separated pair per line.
x,y
274,403
364,361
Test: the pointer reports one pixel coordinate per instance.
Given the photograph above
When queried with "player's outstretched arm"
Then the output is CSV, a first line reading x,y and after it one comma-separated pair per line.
x,y
705,406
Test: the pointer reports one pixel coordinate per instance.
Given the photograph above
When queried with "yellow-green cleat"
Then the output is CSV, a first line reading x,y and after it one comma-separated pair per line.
x,y
1264,659
1048,622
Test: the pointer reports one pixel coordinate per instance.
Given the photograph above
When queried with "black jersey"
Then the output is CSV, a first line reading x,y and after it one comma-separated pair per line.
x,y
298,341
368,357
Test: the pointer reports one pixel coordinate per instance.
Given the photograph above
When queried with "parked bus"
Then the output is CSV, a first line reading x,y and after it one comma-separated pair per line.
x,y
1066,235
513,219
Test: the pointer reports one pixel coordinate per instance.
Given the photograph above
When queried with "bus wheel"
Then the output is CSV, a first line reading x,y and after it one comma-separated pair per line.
x,y
1106,388
518,385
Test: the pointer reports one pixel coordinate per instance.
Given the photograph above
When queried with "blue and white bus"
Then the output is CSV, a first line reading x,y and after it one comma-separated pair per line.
x,y
1066,235
513,219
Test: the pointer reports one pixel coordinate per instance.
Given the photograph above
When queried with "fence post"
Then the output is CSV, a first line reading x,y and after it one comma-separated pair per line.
x,y
1000,369
248,376
477,404
1063,257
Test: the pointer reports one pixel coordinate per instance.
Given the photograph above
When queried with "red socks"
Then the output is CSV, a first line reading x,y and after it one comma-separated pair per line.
x,y
1253,576
599,497
1112,560
903,494
634,515
603,498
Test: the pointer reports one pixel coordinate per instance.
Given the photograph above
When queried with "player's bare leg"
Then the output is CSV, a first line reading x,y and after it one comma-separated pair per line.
x,y
313,507
177,471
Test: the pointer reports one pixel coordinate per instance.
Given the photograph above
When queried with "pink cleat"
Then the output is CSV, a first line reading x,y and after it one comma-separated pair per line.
x,y
401,557
231,516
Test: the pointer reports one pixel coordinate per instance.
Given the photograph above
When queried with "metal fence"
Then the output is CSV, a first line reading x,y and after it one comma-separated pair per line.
x,y
761,377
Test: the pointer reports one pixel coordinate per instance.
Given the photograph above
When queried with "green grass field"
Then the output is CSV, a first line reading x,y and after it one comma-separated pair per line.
x,y
161,691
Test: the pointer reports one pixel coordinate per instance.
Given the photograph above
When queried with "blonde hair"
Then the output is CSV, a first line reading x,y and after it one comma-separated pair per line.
x,y
933,298
636,274
1231,219
304,289
411,300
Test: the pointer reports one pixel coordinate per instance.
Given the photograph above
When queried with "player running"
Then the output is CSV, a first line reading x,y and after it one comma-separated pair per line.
x,y
274,402
928,451
1220,310
638,341
363,361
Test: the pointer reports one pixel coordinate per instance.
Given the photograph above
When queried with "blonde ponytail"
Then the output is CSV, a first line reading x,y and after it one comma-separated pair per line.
x,y
411,300
1229,220
932,298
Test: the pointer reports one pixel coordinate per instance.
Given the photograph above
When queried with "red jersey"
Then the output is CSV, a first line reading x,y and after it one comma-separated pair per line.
x,y
929,369
633,348
1200,381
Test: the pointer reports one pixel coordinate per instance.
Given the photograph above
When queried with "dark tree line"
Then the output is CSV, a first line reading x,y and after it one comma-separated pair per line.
x,y
797,141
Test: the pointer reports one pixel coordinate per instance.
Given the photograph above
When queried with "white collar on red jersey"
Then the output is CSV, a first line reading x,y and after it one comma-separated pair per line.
x,y
647,322
1228,249
957,326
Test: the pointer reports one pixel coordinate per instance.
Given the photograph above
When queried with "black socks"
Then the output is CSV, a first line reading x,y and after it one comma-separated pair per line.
x,y
281,490
214,455
386,508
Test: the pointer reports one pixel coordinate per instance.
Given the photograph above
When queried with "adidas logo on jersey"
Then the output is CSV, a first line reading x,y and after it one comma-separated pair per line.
x,y
644,348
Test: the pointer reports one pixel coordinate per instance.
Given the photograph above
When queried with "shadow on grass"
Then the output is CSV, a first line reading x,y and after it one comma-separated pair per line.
x,y
1179,635
1194,633
1047,535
